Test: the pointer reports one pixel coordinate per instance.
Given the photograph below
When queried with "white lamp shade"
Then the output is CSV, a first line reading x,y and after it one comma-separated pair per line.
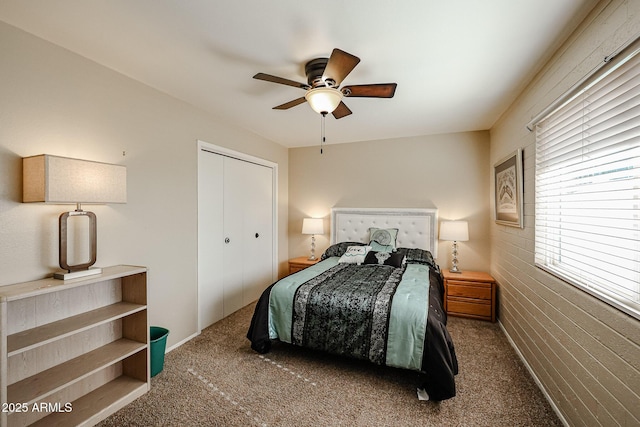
x,y
323,99
54,179
312,226
457,231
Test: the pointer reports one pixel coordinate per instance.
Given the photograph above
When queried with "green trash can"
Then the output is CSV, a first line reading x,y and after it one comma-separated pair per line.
x,y
158,342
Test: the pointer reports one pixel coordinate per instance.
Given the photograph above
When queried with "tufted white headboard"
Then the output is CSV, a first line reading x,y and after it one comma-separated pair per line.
x,y
417,227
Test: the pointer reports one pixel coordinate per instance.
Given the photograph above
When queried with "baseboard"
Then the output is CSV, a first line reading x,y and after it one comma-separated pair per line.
x,y
176,345
534,376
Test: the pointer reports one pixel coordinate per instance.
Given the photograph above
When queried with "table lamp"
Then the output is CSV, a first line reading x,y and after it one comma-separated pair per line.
x,y
455,231
313,226
61,180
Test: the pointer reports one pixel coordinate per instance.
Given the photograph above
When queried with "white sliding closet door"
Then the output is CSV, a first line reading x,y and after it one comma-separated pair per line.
x,y
210,232
234,211
236,232
258,227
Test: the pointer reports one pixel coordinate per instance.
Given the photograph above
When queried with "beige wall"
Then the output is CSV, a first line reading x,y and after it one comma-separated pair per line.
x,y
447,172
56,102
585,354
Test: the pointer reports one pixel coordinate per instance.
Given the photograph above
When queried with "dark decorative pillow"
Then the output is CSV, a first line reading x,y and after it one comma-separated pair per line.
x,y
393,259
338,249
418,256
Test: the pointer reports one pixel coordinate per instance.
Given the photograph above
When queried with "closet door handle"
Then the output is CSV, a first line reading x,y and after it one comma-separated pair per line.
x,y
257,235
227,240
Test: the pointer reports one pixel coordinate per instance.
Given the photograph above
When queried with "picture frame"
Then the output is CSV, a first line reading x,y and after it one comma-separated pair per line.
x,y
508,179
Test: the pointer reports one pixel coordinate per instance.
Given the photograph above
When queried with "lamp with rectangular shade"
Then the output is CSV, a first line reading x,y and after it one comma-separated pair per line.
x,y
313,226
61,180
455,231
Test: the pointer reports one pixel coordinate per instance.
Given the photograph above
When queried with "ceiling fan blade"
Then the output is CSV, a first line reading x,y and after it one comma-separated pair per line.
x,y
380,90
339,66
281,80
290,104
341,111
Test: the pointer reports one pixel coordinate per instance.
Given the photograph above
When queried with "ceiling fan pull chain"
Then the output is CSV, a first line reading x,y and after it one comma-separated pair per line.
x,y
322,138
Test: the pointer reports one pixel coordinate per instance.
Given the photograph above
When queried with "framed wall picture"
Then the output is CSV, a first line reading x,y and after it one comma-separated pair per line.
x,y
508,187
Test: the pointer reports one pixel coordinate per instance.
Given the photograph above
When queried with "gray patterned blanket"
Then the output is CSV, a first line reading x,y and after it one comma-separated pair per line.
x,y
345,311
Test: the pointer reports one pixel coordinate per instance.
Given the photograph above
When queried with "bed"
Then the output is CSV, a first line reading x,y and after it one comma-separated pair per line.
x,y
376,295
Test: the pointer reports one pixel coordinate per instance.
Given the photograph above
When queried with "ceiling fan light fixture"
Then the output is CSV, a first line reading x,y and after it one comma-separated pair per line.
x,y
323,99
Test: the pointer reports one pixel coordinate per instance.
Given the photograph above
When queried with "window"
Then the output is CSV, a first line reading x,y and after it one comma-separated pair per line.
x,y
587,186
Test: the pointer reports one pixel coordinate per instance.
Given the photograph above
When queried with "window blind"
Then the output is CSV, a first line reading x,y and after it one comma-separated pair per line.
x,y
587,187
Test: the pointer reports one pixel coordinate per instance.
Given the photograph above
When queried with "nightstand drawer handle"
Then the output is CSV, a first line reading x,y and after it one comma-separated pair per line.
x,y
227,240
257,235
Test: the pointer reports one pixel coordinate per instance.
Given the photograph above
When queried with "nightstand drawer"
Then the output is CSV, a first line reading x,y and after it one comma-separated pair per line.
x,y
469,290
294,268
300,263
457,306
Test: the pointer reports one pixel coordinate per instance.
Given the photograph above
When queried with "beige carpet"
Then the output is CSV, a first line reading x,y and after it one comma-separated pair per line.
x,y
217,380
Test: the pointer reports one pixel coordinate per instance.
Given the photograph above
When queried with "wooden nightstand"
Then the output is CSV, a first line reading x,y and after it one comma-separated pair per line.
x,y
300,263
470,294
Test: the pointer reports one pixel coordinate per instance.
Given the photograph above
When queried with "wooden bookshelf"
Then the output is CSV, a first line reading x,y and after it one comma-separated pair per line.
x,y
80,347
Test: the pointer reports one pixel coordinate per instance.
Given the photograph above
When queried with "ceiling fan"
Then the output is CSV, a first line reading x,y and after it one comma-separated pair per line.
x,y
324,76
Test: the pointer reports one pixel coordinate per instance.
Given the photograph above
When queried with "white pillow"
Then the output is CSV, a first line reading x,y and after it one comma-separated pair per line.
x,y
354,255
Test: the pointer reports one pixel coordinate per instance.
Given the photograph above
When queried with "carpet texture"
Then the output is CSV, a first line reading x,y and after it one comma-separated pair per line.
x,y
217,380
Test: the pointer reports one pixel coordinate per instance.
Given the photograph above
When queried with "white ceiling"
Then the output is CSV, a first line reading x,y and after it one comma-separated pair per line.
x,y
458,63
